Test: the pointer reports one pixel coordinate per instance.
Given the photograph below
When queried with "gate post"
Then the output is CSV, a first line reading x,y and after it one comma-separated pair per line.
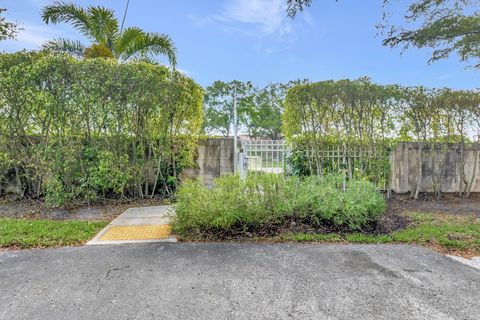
x,y
241,165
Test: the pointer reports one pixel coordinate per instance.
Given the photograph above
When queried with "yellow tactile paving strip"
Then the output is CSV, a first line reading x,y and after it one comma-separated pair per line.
x,y
155,232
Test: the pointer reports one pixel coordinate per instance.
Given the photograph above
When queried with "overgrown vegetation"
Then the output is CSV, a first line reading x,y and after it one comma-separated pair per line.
x,y
23,234
260,201
90,129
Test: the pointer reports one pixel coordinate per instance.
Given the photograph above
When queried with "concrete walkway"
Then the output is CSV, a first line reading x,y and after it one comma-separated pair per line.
x,y
474,262
136,225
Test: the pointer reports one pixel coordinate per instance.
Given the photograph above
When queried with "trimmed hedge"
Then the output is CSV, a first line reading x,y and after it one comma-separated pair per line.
x,y
94,128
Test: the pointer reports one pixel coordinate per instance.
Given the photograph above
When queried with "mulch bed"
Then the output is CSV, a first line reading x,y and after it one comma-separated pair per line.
x,y
391,221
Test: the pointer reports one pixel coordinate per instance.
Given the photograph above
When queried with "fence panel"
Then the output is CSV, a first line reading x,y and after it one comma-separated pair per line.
x,y
371,163
263,156
355,162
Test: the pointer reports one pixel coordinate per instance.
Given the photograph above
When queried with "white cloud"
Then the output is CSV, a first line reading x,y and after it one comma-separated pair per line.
x,y
308,18
267,16
31,37
186,72
258,18
200,21
40,3
36,35
265,21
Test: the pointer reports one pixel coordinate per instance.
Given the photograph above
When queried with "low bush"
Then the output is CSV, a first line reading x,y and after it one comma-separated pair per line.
x,y
267,200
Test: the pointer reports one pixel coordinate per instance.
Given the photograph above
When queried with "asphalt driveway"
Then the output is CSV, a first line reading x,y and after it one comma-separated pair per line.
x,y
236,281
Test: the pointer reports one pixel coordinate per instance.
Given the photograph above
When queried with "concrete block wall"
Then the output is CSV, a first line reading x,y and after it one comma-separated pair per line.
x,y
446,161
214,158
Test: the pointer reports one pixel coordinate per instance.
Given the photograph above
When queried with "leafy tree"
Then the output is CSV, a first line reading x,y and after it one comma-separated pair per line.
x,y
100,26
461,106
351,119
259,109
8,29
419,116
219,108
447,26
295,6
359,119
264,117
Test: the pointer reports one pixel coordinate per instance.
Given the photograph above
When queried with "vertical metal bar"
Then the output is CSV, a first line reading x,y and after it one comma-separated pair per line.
x,y
277,148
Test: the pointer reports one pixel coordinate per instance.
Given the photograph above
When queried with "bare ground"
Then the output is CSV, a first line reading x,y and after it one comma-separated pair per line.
x,y
450,203
107,211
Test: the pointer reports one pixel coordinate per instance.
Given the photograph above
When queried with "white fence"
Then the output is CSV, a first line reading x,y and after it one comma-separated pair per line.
x,y
263,156
271,156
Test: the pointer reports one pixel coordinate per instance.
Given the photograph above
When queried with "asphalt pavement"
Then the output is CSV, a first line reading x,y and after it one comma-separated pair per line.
x,y
236,281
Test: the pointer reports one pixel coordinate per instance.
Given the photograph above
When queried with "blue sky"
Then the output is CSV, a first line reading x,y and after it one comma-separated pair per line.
x,y
254,40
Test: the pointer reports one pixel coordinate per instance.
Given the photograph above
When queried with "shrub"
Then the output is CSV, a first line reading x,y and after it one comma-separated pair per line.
x,y
94,128
268,200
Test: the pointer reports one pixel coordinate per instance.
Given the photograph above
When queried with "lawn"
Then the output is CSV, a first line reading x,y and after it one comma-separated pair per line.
x,y
23,234
458,234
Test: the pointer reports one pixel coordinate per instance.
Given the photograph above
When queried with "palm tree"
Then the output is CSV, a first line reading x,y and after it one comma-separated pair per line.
x,y
100,26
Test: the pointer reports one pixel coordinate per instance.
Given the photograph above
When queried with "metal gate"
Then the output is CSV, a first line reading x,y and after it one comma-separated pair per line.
x,y
262,156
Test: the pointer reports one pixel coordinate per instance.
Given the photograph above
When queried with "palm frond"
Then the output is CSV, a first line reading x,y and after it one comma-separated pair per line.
x,y
135,42
146,59
73,47
103,24
126,39
100,25
70,13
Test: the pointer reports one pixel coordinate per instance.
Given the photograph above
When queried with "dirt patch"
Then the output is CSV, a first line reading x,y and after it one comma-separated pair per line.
x,y
450,204
105,211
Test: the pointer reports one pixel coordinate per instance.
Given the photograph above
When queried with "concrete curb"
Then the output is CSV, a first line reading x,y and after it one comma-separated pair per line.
x,y
474,262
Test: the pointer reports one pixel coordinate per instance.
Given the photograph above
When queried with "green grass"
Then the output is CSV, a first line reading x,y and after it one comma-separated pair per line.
x,y
308,237
459,232
22,234
441,231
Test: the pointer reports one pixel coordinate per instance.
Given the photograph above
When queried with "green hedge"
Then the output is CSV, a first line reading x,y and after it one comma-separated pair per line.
x,y
94,128
263,200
